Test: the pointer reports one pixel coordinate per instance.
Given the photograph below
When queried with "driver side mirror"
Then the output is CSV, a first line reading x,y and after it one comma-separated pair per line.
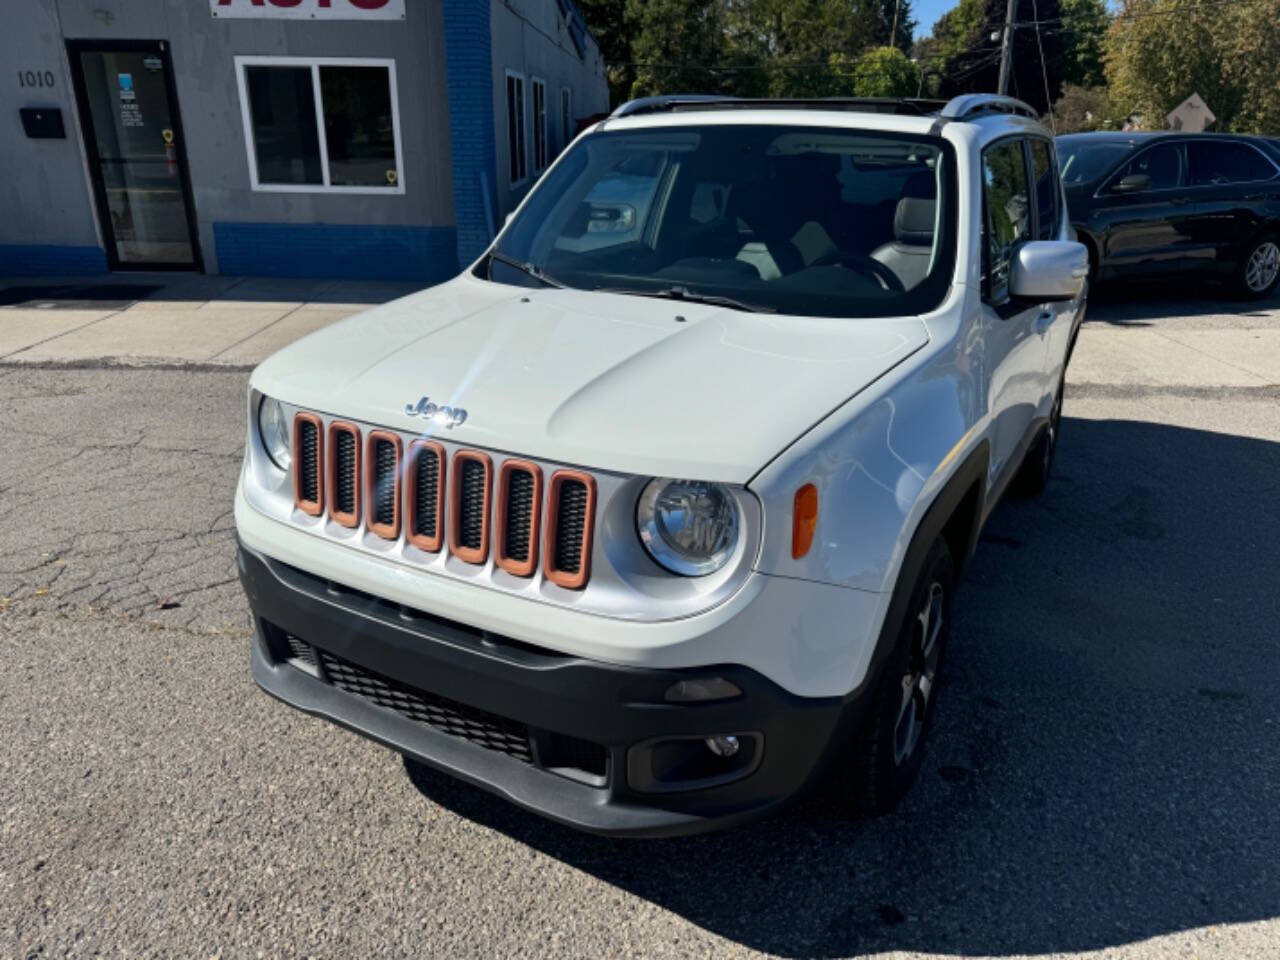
x,y
1047,270
1133,183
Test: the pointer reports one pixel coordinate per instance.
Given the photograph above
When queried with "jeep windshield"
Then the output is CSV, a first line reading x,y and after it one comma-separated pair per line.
x,y
767,218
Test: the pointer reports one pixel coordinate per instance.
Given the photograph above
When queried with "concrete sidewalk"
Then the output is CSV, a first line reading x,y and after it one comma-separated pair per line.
x,y
167,318
1131,337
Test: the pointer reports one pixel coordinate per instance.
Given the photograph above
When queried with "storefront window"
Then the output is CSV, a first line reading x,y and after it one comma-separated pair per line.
x,y
283,112
317,125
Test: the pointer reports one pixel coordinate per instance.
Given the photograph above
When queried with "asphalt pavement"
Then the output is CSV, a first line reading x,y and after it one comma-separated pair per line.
x,y
1103,779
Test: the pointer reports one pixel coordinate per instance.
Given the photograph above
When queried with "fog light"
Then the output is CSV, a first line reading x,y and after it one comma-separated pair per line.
x,y
722,746
699,691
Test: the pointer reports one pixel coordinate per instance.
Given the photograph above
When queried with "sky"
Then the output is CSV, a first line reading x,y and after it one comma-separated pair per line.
x,y
927,13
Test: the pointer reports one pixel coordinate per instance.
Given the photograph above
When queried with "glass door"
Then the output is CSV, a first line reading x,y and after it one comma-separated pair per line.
x,y
133,140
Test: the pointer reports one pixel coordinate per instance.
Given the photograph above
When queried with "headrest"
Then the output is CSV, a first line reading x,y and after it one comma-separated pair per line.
x,y
913,221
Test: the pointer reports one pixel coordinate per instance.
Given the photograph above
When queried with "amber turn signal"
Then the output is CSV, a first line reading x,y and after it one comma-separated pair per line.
x,y
804,520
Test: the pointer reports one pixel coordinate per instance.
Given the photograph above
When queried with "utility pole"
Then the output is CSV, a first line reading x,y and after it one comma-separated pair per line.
x,y
1006,49
893,32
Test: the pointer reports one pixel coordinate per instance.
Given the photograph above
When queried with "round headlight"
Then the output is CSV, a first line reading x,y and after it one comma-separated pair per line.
x,y
688,526
273,427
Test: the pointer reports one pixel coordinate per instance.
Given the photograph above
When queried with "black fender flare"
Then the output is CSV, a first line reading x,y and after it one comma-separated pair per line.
x,y
966,489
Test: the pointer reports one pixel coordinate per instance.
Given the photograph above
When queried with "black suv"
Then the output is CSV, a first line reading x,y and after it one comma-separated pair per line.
x,y
1150,204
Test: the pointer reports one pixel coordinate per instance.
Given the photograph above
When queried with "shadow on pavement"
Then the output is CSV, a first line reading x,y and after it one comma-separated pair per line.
x,y
1136,303
1104,766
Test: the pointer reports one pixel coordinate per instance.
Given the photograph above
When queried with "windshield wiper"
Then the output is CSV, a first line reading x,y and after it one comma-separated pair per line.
x,y
684,293
532,269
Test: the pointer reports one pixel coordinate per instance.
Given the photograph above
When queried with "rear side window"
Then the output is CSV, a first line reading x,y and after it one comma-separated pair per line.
x,y
1222,162
1048,211
1008,212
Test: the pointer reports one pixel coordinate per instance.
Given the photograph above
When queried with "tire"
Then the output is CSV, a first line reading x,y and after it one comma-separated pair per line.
x,y
1259,271
885,758
1037,466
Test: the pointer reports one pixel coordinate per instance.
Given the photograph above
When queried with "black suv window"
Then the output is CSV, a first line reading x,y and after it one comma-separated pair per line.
x,y
1048,212
1008,212
1161,164
1218,162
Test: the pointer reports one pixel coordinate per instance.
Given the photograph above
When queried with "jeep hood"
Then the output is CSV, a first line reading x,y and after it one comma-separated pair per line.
x,y
630,384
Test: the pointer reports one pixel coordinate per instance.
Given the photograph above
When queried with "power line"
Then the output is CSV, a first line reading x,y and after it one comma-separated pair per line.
x,y
1044,69
1139,14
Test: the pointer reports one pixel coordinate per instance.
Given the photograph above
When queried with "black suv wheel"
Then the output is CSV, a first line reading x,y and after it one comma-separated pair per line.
x,y
1259,271
886,756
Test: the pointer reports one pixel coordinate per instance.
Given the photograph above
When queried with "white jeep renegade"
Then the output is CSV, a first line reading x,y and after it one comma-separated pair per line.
x,y
657,510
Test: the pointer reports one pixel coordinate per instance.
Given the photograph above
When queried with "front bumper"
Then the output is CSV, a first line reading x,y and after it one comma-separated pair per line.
x,y
566,737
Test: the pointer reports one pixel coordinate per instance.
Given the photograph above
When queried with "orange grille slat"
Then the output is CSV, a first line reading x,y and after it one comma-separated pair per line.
x,y
517,522
470,504
425,486
437,500
308,464
382,484
571,511
343,473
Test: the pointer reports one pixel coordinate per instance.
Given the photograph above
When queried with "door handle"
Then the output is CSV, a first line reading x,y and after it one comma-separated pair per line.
x,y
1042,321
1180,201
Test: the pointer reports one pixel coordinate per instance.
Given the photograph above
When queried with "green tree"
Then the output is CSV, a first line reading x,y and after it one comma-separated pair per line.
x,y
1159,52
677,46
1084,108
607,21
882,72
1084,34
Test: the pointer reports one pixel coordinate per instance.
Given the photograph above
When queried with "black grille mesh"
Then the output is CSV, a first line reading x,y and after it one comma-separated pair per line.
x,y
308,461
448,716
518,536
471,505
384,482
344,493
427,493
300,650
571,525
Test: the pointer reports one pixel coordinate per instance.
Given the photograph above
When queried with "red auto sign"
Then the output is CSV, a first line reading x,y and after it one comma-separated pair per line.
x,y
309,9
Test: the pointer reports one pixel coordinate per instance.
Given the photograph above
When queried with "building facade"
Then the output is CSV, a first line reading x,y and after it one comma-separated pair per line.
x,y
380,139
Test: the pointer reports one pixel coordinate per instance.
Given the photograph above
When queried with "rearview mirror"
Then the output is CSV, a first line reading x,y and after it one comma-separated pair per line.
x,y
1133,183
1045,270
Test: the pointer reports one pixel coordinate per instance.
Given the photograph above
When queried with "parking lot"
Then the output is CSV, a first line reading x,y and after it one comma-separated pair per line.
x,y
1103,779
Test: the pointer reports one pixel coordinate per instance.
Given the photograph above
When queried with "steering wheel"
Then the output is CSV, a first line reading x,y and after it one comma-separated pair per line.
x,y
867,266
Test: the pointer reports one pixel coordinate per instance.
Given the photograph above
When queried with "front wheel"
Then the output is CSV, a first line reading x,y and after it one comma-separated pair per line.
x,y
886,757
1259,271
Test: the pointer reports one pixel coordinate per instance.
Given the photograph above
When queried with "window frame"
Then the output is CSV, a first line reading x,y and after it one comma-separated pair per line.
x,y
1114,177
523,123
566,115
1215,141
1056,173
315,63
536,83
987,229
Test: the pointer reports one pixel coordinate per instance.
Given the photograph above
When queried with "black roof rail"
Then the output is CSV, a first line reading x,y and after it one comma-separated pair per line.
x,y
908,106
971,105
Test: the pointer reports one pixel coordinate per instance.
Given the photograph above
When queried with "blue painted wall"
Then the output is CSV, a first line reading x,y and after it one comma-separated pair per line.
x,y
47,259
468,47
340,251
